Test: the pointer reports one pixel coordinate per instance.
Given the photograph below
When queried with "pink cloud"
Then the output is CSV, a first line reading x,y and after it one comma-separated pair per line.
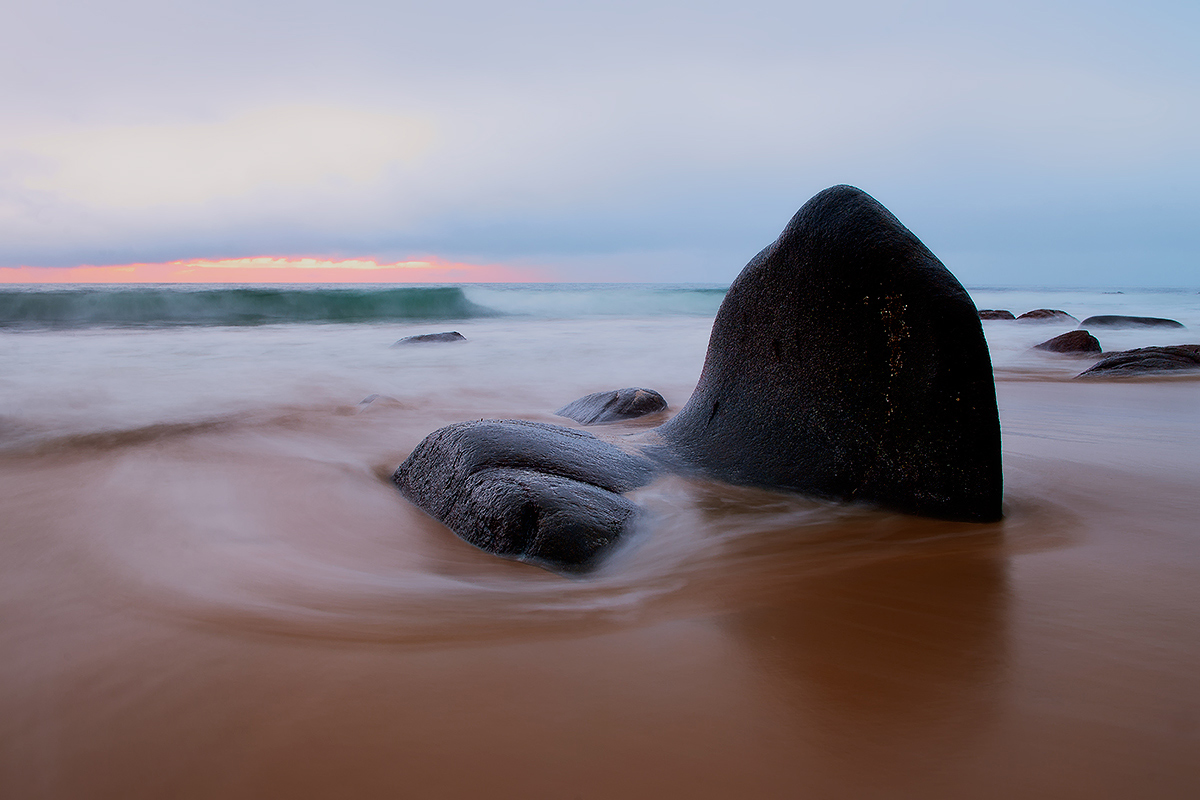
x,y
277,269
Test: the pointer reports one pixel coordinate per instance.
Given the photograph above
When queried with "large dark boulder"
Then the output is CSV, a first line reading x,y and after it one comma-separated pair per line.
x,y
1122,321
847,362
526,490
1071,343
995,313
1145,361
1046,315
613,406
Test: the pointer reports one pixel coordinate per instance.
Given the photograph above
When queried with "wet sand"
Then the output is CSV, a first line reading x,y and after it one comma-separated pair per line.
x,y
250,611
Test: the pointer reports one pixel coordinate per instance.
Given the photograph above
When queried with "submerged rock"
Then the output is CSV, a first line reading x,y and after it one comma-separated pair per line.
x,y
1121,321
1046,315
1145,361
430,338
995,313
613,406
1071,342
845,362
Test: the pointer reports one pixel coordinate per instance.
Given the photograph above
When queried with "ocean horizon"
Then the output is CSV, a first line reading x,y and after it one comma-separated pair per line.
x,y
201,544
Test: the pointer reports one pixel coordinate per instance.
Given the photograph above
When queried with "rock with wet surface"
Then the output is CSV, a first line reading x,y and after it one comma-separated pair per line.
x,y
1071,343
1145,361
995,313
1046,315
845,362
1122,321
614,406
431,338
526,490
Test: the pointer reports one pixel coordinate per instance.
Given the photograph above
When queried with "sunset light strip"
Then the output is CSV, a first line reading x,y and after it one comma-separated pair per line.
x,y
276,269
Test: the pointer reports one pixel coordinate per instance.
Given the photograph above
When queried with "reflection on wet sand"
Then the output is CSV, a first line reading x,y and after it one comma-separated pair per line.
x,y
259,615
889,664
883,639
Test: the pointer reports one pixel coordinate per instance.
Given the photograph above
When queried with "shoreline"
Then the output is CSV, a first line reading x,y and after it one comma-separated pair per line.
x,y
877,655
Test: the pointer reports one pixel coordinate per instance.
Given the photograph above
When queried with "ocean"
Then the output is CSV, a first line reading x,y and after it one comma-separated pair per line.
x,y
209,588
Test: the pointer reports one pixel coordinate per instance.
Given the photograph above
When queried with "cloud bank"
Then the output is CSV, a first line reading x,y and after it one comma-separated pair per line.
x,y
1035,143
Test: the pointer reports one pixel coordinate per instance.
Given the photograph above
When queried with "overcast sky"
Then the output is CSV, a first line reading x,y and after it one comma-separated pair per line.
x,y
1027,143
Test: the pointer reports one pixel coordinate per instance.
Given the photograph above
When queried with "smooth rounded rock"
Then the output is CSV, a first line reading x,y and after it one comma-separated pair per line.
x,y
526,490
614,406
995,313
1145,361
847,362
1071,343
431,338
1046,315
1122,321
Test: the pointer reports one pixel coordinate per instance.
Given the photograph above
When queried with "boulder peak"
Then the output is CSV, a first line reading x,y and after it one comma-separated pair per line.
x,y
847,362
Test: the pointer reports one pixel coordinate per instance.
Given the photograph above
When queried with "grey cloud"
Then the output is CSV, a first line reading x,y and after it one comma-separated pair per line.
x,y
572,134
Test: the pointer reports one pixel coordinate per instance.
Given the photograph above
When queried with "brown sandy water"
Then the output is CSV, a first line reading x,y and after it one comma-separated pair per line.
x,y
245,609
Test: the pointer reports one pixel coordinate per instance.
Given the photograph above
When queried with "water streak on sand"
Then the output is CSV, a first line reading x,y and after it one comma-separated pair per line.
x,y
208,588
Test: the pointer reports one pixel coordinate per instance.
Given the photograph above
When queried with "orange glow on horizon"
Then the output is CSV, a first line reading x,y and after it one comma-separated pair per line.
x,y
276,269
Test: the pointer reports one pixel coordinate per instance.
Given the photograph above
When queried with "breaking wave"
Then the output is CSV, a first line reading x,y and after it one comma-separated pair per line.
x,y
177,305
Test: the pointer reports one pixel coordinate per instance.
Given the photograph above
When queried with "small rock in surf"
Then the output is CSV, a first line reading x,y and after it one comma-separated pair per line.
x,y
431,338
1071,343
1046,315
1121,321
614,406
1145,361
995,313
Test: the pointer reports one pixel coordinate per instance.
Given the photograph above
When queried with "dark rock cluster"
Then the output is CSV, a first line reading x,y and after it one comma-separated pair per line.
x,y
1100,321
845,362
1122,364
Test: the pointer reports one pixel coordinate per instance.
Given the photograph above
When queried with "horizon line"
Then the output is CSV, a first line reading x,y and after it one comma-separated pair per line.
x,y
276,269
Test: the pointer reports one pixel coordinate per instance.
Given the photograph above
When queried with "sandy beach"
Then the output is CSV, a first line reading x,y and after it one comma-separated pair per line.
x,y
242,607
257,257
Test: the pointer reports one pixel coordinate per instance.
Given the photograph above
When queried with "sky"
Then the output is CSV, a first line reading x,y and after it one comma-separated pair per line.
x,y
1045,143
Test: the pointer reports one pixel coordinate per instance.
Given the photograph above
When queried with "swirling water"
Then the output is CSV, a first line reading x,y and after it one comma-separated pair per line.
x,y
211,589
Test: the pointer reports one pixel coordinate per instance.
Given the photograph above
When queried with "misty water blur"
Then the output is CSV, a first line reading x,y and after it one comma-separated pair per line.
x,y
204,559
